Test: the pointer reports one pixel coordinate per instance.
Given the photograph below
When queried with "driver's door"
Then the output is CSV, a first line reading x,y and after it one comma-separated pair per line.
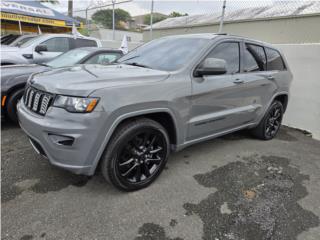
x,y
217,100
55,47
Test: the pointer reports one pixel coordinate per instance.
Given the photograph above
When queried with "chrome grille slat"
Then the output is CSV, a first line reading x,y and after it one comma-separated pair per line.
x,y
37,101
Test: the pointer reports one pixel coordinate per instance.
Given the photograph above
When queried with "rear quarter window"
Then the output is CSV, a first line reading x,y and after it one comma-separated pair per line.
x,y
275,61
85,43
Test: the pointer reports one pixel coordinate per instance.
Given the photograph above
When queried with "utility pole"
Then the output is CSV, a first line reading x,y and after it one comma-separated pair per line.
x,y
113,20
222,16
70,8
151,19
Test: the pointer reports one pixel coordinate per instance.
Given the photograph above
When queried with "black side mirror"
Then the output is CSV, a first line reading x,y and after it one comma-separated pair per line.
x,y
212,66
41,48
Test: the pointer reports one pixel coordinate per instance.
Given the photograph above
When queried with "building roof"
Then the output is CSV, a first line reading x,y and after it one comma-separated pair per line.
x,y
35,9
278,9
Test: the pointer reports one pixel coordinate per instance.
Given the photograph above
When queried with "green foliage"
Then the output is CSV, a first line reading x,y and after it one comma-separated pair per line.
x,y
104,17
156,18
177,14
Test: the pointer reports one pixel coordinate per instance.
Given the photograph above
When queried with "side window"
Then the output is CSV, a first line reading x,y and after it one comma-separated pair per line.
x,y
258,54
250,63
58,44
85,43
275,61
230,52
103,58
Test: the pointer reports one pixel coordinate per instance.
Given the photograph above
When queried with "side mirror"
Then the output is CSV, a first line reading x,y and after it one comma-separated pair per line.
x,y
41,48
212,66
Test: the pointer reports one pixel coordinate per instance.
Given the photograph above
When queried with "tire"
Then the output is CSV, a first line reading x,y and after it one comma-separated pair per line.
x,y
12,105
136,155
270,124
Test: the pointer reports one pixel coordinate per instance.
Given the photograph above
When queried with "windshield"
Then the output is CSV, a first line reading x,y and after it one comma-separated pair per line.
x,y
18,43
167,54
28,43
68,59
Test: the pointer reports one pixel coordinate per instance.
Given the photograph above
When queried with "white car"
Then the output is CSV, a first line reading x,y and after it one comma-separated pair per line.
x,y
43,48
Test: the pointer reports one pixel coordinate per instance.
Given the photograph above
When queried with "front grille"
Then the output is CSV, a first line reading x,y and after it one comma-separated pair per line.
x,y
37,101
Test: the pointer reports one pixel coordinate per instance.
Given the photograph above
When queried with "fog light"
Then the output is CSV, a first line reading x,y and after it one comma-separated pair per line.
x,y
61,140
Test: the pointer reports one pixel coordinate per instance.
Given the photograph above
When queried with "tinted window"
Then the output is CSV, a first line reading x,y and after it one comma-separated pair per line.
x,y
167,54
275,61
103,58
59,44
85,43
258,54
251,62
229,52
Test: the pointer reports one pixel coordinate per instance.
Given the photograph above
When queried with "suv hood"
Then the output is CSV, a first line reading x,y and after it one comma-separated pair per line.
x,y
81,80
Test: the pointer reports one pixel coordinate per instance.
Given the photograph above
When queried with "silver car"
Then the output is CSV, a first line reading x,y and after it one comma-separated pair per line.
x,y
164,96
43,48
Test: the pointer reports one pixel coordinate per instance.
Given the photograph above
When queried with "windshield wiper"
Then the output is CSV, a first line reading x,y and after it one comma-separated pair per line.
x,y
137,64
127,59
43,64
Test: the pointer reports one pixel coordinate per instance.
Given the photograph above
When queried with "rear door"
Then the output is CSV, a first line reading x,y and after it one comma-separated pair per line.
x,y
55,47
257,82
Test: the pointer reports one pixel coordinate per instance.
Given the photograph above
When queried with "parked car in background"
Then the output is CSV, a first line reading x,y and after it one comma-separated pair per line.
x,y
165,95
14,77
9,38
43,48
16,40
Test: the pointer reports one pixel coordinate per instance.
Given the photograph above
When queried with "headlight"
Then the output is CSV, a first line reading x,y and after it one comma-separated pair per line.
x,y
75,104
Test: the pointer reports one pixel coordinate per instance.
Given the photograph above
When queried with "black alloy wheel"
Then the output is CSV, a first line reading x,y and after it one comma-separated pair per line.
x,y
136,154
270,125
273,121
140,157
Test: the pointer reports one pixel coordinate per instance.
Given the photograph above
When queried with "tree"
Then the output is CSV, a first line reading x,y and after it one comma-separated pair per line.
x,y
156,18
177,14
104,17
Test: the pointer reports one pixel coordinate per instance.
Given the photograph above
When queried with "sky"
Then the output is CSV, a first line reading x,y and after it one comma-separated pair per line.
x,y
139,7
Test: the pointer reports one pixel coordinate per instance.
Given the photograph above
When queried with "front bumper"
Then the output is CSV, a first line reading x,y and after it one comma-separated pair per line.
x,y
84,133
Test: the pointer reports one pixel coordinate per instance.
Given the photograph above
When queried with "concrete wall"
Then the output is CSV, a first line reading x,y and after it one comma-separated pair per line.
x,y
117,44
304,104
107,34
282,30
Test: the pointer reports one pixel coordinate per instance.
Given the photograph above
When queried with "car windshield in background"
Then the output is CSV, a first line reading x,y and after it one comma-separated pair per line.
x,y
167,54
22,41
68,59
28,43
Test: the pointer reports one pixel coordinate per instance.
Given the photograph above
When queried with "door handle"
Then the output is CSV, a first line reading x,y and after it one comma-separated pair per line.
x,y
270,77
238,81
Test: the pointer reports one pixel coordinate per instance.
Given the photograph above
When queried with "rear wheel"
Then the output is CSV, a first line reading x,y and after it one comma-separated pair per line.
x,y
271,122
12,104
136,154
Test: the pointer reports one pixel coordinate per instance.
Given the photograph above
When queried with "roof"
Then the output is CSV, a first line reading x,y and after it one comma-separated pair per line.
x,y
35,9
278,9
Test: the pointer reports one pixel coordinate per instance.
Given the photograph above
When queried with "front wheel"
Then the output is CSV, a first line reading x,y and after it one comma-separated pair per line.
x,y
136,155
271,122
12,105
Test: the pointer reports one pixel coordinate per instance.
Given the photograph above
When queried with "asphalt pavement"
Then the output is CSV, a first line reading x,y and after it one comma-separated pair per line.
x,y
233,188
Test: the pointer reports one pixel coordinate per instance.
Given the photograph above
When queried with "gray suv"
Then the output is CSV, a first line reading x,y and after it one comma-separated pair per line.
x,y
163,96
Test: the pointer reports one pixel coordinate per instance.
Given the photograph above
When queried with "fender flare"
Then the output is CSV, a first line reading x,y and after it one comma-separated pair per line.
x,y
116,123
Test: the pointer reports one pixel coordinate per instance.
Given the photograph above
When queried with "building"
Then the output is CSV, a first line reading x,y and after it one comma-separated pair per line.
x,y
279,23
29,16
